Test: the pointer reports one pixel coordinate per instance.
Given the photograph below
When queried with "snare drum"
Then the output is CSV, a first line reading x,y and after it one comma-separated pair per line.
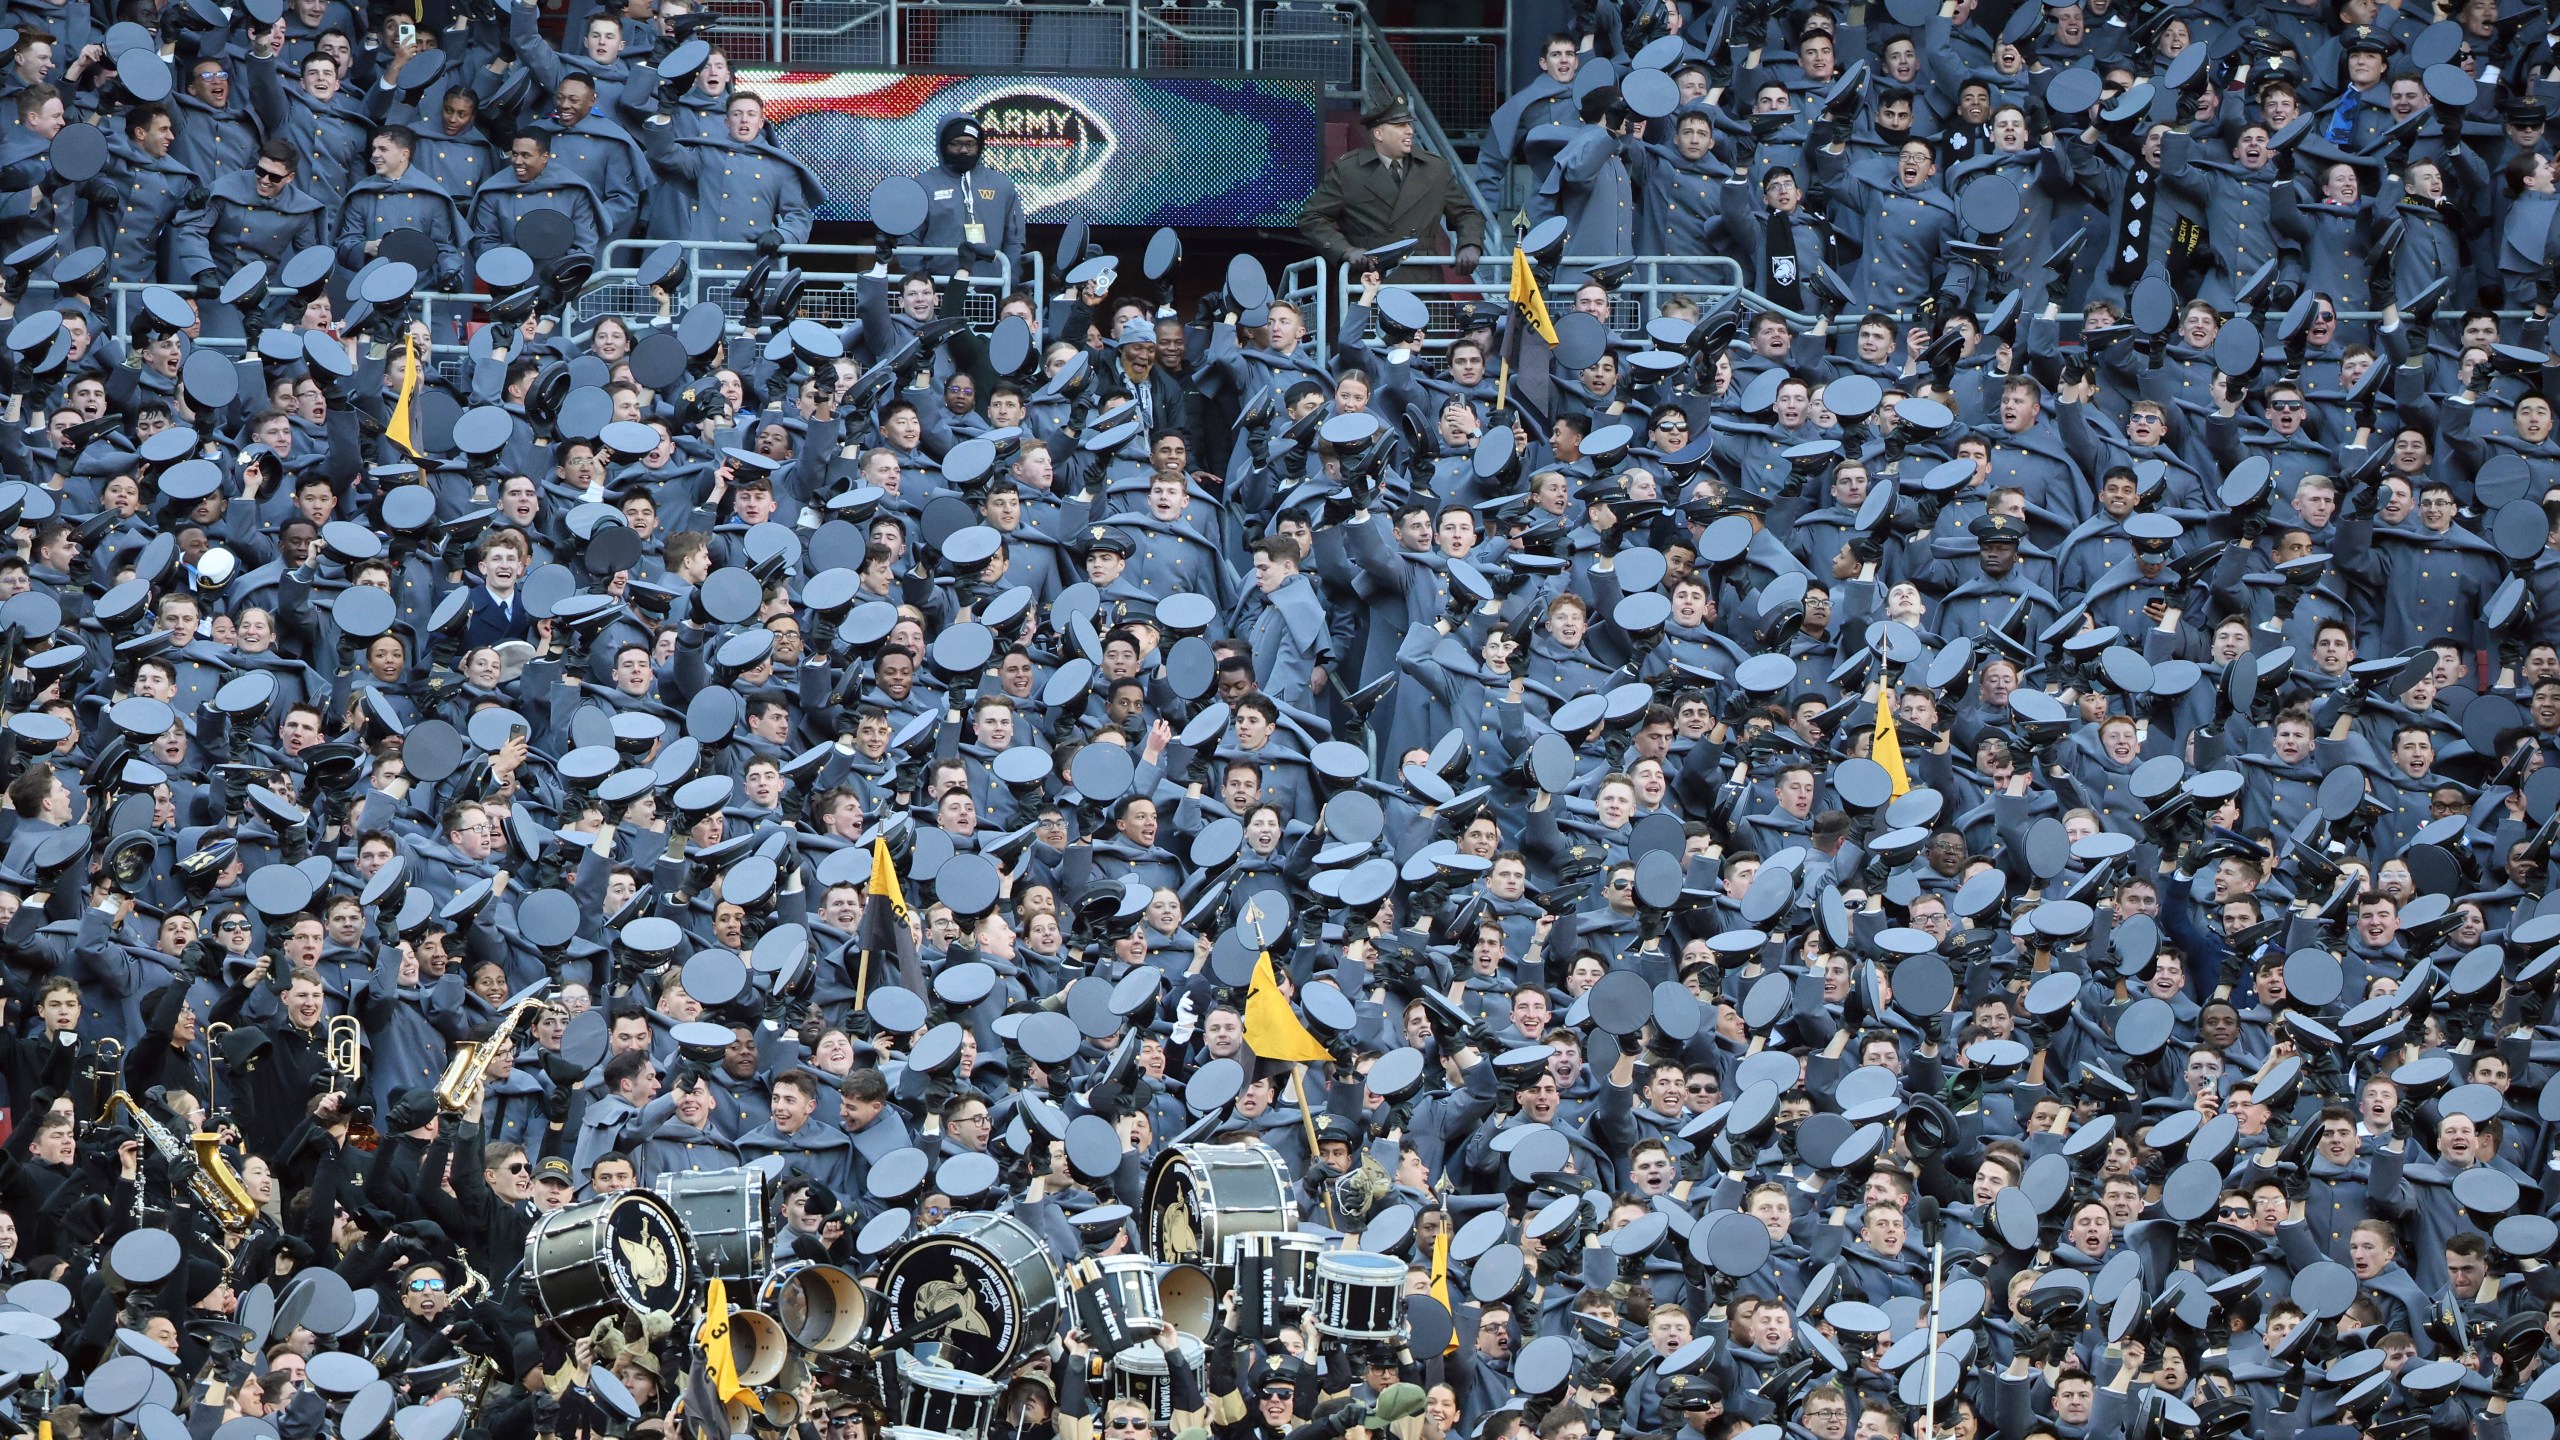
x,y
617,1254
1139,1374
943,1401
1199,1197
907,1432
1359,1296
723,1214
1116,1301
993,1273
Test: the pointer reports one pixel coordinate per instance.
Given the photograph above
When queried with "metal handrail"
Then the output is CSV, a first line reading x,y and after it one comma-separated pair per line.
x,y
623,258
1492,279
429,301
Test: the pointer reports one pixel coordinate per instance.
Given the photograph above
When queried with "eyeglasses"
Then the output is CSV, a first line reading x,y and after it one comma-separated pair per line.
x,y
422,1287
936,1212
518,1168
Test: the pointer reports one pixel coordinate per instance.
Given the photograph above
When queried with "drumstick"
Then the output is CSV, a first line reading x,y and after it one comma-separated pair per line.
x,y
923,1323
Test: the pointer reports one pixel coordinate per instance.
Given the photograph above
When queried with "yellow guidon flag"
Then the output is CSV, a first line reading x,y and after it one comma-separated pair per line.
x,y
1526,294
1271,1029
884,879
1886,750
1440,1281
713,1337
403,429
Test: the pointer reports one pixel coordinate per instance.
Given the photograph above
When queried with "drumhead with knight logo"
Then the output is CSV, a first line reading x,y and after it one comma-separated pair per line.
x,y
651,1261
930,1277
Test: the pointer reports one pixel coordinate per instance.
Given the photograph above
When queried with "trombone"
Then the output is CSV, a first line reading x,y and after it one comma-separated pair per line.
x,y
212,1035
342,1046
102,1074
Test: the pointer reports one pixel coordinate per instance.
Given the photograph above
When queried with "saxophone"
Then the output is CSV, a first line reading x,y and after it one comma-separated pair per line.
x,y
211,1180
477,1372
464,1084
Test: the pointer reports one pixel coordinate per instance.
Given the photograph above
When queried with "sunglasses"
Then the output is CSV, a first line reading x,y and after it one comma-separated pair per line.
x,y
278,176
2284,405
1124,1422
2234,1212
232,925
421,1287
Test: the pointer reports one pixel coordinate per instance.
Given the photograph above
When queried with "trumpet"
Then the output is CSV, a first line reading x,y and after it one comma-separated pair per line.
x,y
465,1080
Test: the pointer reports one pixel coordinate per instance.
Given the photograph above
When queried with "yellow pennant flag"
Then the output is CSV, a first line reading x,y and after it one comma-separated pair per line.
x,y
404,420
1526,294
1271,1029
1440,1281
714,1339
1887,749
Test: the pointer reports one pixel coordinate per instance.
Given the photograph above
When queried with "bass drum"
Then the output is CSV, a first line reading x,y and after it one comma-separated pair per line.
x,y
613,1255
1200,1197
723,1212
993,1276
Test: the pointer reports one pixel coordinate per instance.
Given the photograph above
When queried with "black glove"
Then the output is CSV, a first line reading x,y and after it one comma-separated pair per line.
x,y
555,1105
2296,1181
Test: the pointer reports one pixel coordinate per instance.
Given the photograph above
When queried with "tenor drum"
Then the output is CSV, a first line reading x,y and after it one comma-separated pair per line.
x,y
1138,1373
723,1214
1190,1299
821,1307
1117,1304
936,1398
613,1255
1200,1197
1359,1296
1293,1261
992,1276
